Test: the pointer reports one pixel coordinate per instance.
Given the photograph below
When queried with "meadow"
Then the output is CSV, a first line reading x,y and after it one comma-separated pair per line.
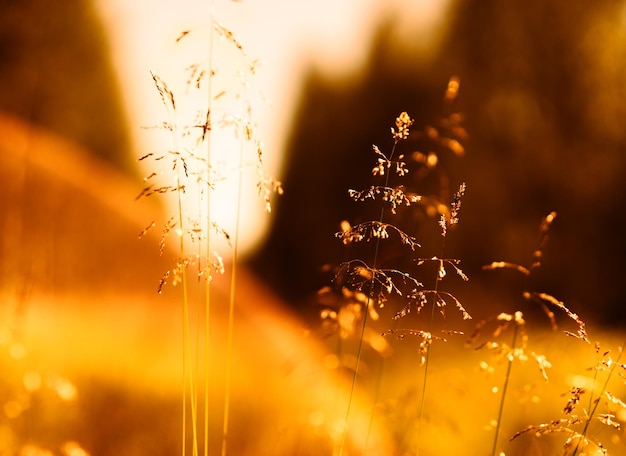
x,y
133,323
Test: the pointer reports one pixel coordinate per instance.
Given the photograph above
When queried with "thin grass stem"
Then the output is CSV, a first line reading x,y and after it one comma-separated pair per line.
x,y
583,434
229,352
188,374
206,365
184,381
422,401
431,325
187,355
364,325
504,391
207,294
359,349
379,379
231,305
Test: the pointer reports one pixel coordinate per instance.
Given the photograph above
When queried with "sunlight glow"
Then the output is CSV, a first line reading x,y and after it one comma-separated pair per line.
x,y
64,388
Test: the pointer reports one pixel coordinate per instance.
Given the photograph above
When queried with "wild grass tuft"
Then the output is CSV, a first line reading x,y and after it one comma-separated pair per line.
x,y
515,323
213,148
603,409
390,283
367,286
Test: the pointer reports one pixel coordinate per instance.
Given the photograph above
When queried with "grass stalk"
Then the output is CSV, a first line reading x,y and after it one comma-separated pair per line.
x,y
431,325
445,222
505,387
231,304
583,434
379,381
207,293
189,371
365,319
188,374
358,355
207,308
229,352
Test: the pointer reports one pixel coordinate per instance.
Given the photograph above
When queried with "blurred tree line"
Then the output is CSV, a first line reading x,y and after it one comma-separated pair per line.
x,y
542,92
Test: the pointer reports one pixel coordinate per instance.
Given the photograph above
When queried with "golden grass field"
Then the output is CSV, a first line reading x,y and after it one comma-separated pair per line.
x,y
91,354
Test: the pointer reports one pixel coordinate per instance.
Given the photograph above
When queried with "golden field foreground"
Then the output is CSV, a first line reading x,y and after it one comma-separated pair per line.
x,y
91,354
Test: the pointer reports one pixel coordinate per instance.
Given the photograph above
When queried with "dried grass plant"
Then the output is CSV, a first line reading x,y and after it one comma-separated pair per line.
x,y
366,287
356,305
604,412
194,171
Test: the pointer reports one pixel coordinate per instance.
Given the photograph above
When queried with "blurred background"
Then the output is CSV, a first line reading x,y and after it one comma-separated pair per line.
x,y
543,101
541,92
542,95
